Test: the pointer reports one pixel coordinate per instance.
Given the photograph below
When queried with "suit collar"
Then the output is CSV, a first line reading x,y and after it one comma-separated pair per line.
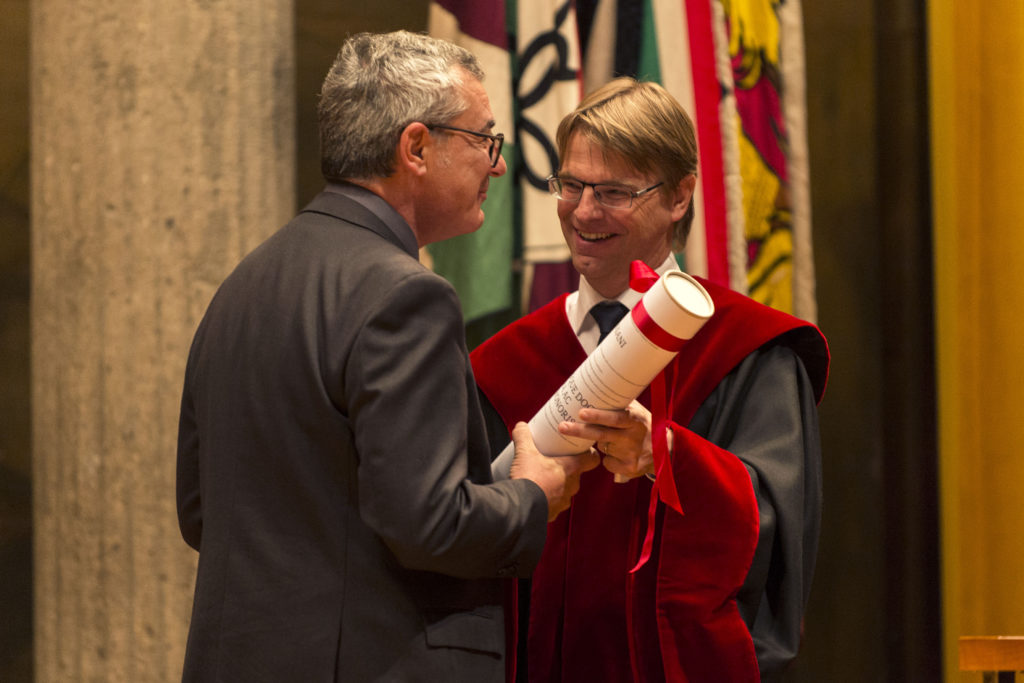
x,y
358,206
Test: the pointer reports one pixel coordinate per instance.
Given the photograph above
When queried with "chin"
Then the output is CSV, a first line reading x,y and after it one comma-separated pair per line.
x,y
584,263
471,226
603,270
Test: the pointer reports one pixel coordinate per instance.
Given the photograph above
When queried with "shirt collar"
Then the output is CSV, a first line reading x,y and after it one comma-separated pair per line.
x,y
581,301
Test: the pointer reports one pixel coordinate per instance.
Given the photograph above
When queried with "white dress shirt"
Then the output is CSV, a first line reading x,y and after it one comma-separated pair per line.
x,y
579,303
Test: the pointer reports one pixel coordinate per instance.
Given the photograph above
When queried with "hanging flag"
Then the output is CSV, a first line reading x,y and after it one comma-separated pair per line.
x,y
754,49
530,54
548,86
739,72
673,42
736,66
717,172
480,265
666,40
794,108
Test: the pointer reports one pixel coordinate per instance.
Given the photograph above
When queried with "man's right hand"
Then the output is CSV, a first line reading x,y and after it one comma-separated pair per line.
x,y
558,477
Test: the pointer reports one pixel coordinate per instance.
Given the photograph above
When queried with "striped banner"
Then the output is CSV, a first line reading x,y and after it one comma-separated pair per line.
x,y
794,108
530,53
480,265
754,35
548,86
737,66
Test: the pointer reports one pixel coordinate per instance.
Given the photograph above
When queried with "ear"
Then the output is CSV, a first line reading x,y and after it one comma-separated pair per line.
x,y
412,143
682,196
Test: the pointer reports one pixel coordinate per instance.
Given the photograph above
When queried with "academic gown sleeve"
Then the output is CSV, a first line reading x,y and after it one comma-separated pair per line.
x,y
765,413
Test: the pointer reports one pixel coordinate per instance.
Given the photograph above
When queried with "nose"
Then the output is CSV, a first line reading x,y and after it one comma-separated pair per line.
x,y
500,168
588,205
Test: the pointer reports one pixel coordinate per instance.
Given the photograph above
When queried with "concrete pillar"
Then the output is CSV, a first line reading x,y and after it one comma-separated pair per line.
x,y
162,151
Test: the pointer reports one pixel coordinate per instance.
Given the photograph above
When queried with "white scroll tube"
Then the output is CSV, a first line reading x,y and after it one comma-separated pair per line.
x,y
622,365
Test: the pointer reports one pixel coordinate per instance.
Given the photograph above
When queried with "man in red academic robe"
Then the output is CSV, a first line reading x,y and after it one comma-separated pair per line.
x,y
713,588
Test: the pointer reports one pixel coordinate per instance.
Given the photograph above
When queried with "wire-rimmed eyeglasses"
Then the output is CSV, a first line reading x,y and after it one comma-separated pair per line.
x,y
607,194
497,140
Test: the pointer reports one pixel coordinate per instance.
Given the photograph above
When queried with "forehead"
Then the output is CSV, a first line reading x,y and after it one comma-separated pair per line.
x,y
478,110
585,159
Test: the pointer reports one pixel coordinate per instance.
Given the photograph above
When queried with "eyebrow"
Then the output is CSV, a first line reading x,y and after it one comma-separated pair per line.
x,y
569,176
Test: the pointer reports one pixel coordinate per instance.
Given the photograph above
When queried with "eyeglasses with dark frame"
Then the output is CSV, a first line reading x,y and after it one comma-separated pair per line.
x,y
493,152
606,194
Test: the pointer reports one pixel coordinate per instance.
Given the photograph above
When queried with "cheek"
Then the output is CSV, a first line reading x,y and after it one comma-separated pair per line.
x,y
652,235
564,210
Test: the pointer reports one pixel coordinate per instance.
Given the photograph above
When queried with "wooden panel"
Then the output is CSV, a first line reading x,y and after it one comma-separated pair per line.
x,y
992,653
977,91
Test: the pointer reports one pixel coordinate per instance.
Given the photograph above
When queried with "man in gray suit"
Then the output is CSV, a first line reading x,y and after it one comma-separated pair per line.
x,y
333,467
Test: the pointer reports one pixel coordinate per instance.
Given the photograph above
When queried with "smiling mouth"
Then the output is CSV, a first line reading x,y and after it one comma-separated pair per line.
x,y
594,236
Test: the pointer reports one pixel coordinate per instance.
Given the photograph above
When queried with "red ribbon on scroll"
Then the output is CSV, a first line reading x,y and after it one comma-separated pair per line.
x,y
641,279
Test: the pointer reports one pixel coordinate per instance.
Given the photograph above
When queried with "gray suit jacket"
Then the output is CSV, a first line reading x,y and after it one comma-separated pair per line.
x,y
333,467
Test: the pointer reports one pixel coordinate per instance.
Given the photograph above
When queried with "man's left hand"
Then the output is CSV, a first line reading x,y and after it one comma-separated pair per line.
x,y
623,437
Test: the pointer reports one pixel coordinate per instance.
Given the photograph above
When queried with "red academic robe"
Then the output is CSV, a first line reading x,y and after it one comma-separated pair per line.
x,y
676,618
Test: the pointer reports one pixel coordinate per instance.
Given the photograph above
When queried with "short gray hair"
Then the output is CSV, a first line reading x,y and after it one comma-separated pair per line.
x,y
379,84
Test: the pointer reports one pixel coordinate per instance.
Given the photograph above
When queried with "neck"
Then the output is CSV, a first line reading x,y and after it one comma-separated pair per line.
x,y
611,290
616,283
392,191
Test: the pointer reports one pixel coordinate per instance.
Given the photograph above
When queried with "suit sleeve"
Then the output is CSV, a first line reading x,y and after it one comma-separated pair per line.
x,y
764,412
497,433
424,468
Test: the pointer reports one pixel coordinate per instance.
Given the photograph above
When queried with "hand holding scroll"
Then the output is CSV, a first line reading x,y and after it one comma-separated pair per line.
x,y
671,311
623,437
558,477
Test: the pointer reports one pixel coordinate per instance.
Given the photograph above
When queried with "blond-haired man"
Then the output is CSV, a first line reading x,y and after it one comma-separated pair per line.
x,y
722,594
